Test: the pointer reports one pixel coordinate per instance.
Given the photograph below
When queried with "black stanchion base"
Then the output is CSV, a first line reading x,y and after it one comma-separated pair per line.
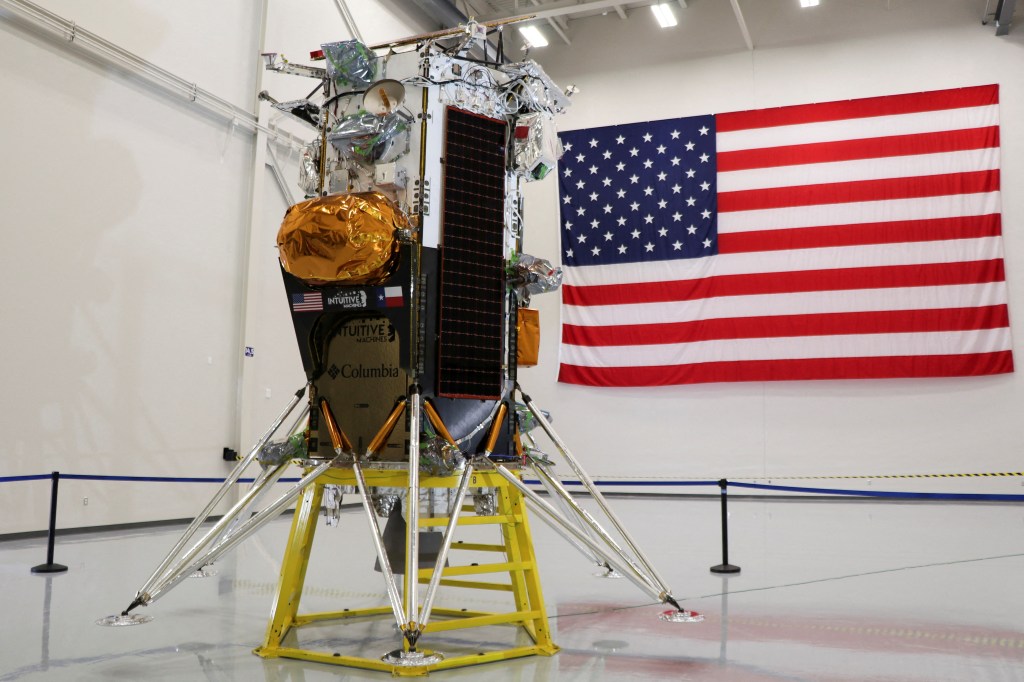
x,y
49,568
725,568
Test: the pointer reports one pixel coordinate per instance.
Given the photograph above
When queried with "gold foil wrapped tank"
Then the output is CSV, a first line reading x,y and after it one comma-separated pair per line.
x,y
341,239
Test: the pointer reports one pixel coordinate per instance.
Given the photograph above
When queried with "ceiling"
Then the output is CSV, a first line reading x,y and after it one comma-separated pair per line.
x,y
560,19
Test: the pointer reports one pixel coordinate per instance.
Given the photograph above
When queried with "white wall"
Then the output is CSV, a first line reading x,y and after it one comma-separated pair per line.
x,y
126,220
857,48
126,217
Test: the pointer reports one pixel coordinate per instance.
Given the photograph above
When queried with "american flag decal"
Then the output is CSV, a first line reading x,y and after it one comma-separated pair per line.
x,y
311,302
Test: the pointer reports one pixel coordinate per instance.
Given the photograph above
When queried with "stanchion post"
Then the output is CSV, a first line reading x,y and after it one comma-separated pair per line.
x,y
725,566
49,566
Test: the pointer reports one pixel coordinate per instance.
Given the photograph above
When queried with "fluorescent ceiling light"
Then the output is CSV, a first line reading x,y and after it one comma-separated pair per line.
x,y
533,36
663,13
809,3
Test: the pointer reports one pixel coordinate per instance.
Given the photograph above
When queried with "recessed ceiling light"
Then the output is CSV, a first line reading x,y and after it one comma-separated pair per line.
x,y
533,36
663,13
809,3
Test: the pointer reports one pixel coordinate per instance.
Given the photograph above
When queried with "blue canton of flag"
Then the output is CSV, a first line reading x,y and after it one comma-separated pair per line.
x,y
639,192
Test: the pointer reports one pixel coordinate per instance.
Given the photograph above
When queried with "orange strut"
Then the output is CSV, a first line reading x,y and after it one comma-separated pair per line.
x,y
435,419
385,431
338,438
492,435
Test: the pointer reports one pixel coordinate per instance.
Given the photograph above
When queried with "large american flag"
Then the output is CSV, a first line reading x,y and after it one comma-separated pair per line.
x,y
854,239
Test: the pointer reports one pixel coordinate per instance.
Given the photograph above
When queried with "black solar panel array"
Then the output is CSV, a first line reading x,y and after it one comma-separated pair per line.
x,y
472,262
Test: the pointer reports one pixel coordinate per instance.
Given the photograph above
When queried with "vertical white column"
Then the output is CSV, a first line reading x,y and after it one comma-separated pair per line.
x,y
246,387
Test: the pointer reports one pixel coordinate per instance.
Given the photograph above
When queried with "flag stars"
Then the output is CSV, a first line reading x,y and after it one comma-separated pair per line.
x,y
580,184
582,239
662,175
635,206
621,221
649,247
662,203
607,208
690,201
567,199
620,139
676,189
661,149
662,232
607,155
692,229
648,191
705,214
677,216
647,137
635,233
596,251
568,224
633,179
705,186
594,223
593,143
568,146
568,172
622,249
648,219
648,163
704,158
675,134
689,147
675,160
707,243
621,194
607,182
677,245
593,169
703,130
634,151
580,158
581,211
608,236
568,254
690,173
620,166
593,196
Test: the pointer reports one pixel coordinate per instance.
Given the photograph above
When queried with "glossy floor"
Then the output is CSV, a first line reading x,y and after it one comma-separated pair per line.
x,y
828,590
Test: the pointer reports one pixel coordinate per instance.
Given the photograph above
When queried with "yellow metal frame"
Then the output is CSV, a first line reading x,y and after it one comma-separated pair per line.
x,y
520,565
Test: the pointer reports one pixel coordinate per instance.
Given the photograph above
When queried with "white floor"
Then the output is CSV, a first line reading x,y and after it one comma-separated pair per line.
x,y
844,591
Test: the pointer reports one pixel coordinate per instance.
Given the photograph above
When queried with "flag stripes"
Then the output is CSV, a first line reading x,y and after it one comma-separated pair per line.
x,y
962,99
854,150
801,303
860,191
964,227
791,370
939,319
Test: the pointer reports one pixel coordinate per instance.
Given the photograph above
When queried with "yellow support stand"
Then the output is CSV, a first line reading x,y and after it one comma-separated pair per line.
x,y
520,567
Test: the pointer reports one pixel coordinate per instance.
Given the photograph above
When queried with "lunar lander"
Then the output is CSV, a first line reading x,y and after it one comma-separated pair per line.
x,y
409,295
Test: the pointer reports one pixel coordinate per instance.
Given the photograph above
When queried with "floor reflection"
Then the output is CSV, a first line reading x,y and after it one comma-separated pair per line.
x,y
829,591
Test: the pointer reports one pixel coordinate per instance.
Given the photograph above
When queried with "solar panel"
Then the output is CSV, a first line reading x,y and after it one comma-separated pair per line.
x,y
472,316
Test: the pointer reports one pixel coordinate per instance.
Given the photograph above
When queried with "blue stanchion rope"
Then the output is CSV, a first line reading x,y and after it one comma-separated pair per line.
x,y
32,477
640,484
882,493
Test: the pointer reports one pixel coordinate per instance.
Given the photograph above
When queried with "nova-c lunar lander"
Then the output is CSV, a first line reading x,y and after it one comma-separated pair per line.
x,y
409,295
